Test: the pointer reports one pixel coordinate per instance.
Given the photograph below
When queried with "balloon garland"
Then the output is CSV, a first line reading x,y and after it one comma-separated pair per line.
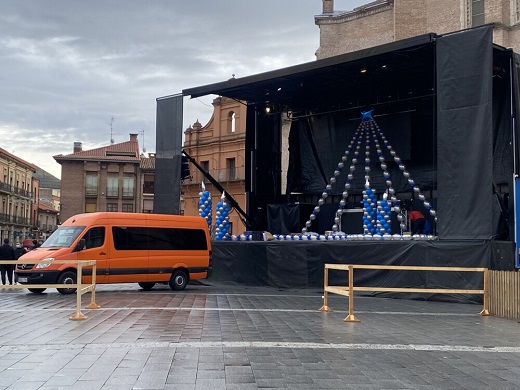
x,y
222,223
376,214
205,206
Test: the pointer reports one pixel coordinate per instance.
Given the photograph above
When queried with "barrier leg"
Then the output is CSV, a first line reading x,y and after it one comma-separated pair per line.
x,y
92,304
325,293
485,311
78,315
351,317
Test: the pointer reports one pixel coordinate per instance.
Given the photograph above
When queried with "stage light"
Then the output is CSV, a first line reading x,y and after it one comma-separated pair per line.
x,y
279,89
363,70
267,108
383,66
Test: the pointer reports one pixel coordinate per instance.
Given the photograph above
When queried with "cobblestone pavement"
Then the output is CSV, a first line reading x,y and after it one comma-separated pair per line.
x,y
229,337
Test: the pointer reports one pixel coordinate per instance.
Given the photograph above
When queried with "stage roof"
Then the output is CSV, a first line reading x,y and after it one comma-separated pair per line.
x,y
349,78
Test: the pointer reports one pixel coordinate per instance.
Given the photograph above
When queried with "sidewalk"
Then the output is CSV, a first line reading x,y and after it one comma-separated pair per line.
x,y
229,337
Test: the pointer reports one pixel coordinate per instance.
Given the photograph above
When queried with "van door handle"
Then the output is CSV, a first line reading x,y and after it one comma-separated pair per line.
x,y
102,253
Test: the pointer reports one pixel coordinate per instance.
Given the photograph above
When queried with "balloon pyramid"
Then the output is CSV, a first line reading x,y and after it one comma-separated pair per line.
x,y
376,213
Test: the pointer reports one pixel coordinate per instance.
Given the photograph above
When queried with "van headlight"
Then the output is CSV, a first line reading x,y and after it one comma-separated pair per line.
x,y
45,265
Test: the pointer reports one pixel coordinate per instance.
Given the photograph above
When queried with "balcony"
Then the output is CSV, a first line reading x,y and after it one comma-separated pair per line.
x,y
148,188
9,189
220,175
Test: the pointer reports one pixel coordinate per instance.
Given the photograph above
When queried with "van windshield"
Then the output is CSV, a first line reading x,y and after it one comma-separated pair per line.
x,y
63,237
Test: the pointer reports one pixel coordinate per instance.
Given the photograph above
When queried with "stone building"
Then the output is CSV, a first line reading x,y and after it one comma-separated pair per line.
x,y
102,179
147,178
385,21
219,148
18,197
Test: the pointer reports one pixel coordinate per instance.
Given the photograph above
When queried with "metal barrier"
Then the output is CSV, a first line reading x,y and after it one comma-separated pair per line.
x,y
80,288
349,291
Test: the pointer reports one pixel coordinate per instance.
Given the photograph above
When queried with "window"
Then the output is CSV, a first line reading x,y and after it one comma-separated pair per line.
x,y
95,237
90,207
128,208
112,207
205,166
91,184
128,187
141,238
230,163
231,122
112,186
477,13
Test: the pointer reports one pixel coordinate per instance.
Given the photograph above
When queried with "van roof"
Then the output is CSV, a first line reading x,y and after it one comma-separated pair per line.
x,y
102,217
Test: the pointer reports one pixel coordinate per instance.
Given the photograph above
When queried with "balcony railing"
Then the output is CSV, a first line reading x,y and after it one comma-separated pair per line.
x,y
220,175
148,188
6,218
7,188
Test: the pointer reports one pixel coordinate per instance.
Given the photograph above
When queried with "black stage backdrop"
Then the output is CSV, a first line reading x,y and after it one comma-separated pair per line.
x,y
465,134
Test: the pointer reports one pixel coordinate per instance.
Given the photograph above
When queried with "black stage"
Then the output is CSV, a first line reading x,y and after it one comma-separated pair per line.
x,y
289,264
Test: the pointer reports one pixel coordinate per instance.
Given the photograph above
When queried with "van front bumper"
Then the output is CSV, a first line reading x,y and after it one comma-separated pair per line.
x,y
35,277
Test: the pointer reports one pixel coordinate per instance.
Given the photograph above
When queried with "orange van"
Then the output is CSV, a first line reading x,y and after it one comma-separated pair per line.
x,y
128,248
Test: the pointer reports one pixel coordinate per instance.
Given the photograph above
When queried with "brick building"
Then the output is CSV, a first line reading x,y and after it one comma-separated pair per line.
x,y
385,21
102,179
18,197
219,147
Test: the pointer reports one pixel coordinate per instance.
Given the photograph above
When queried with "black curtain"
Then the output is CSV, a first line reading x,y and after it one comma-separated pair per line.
x,y
464,64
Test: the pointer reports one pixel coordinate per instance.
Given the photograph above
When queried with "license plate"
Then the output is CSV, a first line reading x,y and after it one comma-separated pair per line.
x,y
22,280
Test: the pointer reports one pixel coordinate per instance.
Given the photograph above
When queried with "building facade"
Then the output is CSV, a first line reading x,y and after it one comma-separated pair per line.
x,y
219,148
47,220
385,21
18,197
102,179
147,178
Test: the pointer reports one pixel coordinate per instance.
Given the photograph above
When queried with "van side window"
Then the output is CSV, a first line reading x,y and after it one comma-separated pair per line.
x,y
95,237
130,238
141,238
177,239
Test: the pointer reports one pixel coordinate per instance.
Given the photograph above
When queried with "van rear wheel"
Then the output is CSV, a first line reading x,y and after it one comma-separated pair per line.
x,y
67,277
37,290
179,280
146,285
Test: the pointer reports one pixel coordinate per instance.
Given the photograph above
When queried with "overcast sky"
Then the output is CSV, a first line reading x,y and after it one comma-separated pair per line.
x,y
67,67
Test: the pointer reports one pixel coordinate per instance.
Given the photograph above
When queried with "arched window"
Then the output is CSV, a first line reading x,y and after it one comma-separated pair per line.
x,y
231,122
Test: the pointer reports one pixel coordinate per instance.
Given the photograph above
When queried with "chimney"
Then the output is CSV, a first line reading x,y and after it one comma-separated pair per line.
x,y
133,137
77,147
328,6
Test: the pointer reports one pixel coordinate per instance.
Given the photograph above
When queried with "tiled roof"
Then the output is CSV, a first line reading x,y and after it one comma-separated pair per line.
x,y
125,152
47,208
147,162
46,179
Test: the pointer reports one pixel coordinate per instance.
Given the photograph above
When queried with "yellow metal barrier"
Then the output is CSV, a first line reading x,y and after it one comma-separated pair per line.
x,y
80,288
349,291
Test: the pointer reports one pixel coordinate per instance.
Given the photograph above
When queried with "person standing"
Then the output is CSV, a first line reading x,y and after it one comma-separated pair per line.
x,y
6,253
19,251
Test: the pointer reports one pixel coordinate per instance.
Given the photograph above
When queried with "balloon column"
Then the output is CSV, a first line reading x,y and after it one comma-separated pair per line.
x,y
222,223
369,211
205,206
383,216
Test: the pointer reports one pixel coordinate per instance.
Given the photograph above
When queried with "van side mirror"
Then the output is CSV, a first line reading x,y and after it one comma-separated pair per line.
x,y
80,245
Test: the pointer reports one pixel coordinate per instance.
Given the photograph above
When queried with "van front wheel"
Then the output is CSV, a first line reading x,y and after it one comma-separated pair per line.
x,y
179,280
67,277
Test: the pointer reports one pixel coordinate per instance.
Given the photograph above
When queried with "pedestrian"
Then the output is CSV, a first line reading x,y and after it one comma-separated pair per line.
x,y
19,251
6,253
418,221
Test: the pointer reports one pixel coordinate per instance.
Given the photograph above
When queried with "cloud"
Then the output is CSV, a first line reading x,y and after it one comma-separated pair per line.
x,y
68,66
